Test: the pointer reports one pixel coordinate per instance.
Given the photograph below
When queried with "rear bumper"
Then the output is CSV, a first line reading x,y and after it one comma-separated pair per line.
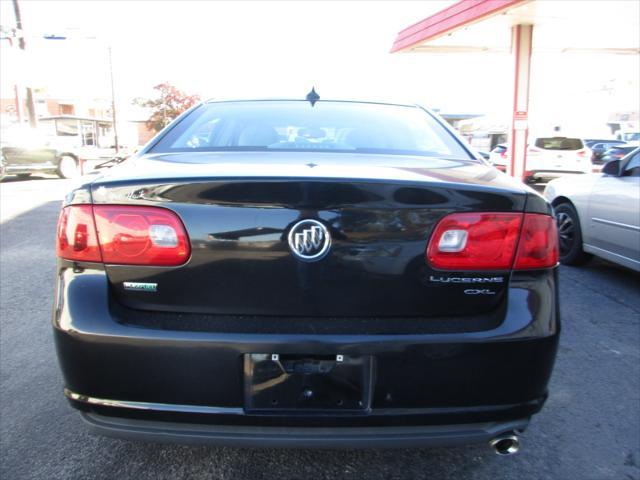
x,y
183,385
300,437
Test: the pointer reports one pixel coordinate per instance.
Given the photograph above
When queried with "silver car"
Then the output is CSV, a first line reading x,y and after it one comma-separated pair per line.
x,y
599,214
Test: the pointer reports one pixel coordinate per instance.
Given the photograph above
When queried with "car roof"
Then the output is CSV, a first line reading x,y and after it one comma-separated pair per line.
x,y
334,100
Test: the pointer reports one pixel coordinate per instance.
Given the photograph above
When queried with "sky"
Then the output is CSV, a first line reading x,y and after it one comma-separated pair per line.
x,y
269,49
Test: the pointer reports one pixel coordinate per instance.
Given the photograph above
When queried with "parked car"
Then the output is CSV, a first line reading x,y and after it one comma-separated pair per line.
x,y
628,137
599,214
598,149
62,145
552,157
499,157
37,153
311,274
617,152
590,142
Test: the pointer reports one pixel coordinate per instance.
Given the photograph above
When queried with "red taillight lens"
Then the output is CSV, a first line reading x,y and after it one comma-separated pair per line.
x,y
538,243
534,151
136,235
490,244
126,235
488,241
77,239
583,153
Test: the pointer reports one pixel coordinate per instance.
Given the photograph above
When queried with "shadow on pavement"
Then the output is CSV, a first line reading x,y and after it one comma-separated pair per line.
x,y
14,178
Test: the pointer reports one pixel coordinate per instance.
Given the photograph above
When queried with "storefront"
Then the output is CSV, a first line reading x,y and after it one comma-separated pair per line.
x,y
520,28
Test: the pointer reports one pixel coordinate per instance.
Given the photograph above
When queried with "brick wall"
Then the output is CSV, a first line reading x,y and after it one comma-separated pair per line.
x,y
144,134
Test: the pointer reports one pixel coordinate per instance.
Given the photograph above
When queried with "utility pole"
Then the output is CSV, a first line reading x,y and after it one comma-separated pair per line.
x,y
31,110
17,103
113,103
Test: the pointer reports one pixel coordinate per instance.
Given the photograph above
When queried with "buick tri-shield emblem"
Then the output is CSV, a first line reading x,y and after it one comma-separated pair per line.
x,y
309,240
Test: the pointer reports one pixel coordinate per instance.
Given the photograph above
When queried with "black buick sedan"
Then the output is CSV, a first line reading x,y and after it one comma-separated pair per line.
x,y
307,273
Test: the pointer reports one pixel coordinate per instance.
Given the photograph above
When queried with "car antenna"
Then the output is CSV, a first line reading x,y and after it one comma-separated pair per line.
x,y
312,96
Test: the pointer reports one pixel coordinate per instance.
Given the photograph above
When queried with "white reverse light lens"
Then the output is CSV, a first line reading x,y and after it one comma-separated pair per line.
x,y
453,241
163,236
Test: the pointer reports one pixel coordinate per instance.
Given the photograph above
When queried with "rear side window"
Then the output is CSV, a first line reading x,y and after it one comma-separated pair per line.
x,y
559,143
299,126
499,149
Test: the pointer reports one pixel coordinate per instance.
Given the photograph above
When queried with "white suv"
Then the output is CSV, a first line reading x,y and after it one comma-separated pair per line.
x,y
552,157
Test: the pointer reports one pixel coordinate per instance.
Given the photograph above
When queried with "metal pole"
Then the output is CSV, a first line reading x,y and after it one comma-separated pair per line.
x,y
18,103
16,11
521,39
113,103
31,109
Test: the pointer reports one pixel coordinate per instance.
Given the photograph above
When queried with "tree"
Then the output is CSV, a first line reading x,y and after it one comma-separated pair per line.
x,y
168,104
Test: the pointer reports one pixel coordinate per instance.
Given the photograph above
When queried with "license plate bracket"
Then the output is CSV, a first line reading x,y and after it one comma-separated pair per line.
x,y
307,382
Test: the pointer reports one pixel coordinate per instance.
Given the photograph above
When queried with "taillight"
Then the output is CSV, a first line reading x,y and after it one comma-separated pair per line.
x,y
583,153
77,239
486,241
493,241
534,151
136,235
538,243
126,235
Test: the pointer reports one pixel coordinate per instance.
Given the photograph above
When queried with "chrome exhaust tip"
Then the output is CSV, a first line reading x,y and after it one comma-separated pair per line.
x,y
505,444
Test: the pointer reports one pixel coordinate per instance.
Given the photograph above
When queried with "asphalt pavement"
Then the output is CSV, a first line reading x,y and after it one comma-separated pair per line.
x,y
589,428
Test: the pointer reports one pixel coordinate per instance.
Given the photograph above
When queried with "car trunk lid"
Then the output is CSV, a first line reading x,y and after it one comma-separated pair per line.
x,y
239,217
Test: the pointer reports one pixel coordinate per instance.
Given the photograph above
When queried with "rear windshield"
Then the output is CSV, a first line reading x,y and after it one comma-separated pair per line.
x,y
299,126
559,143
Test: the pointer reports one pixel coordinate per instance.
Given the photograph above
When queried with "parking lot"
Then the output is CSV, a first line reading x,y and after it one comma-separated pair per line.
x,y
589,429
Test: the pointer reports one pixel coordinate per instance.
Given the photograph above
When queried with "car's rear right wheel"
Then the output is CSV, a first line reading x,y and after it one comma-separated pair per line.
x,y
570,235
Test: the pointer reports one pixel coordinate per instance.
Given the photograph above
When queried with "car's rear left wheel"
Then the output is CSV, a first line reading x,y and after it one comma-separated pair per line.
x,y
68,167
570,235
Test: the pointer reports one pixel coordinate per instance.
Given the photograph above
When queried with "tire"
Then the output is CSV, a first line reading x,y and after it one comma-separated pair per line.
x,y
570,235
68,167
23,175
